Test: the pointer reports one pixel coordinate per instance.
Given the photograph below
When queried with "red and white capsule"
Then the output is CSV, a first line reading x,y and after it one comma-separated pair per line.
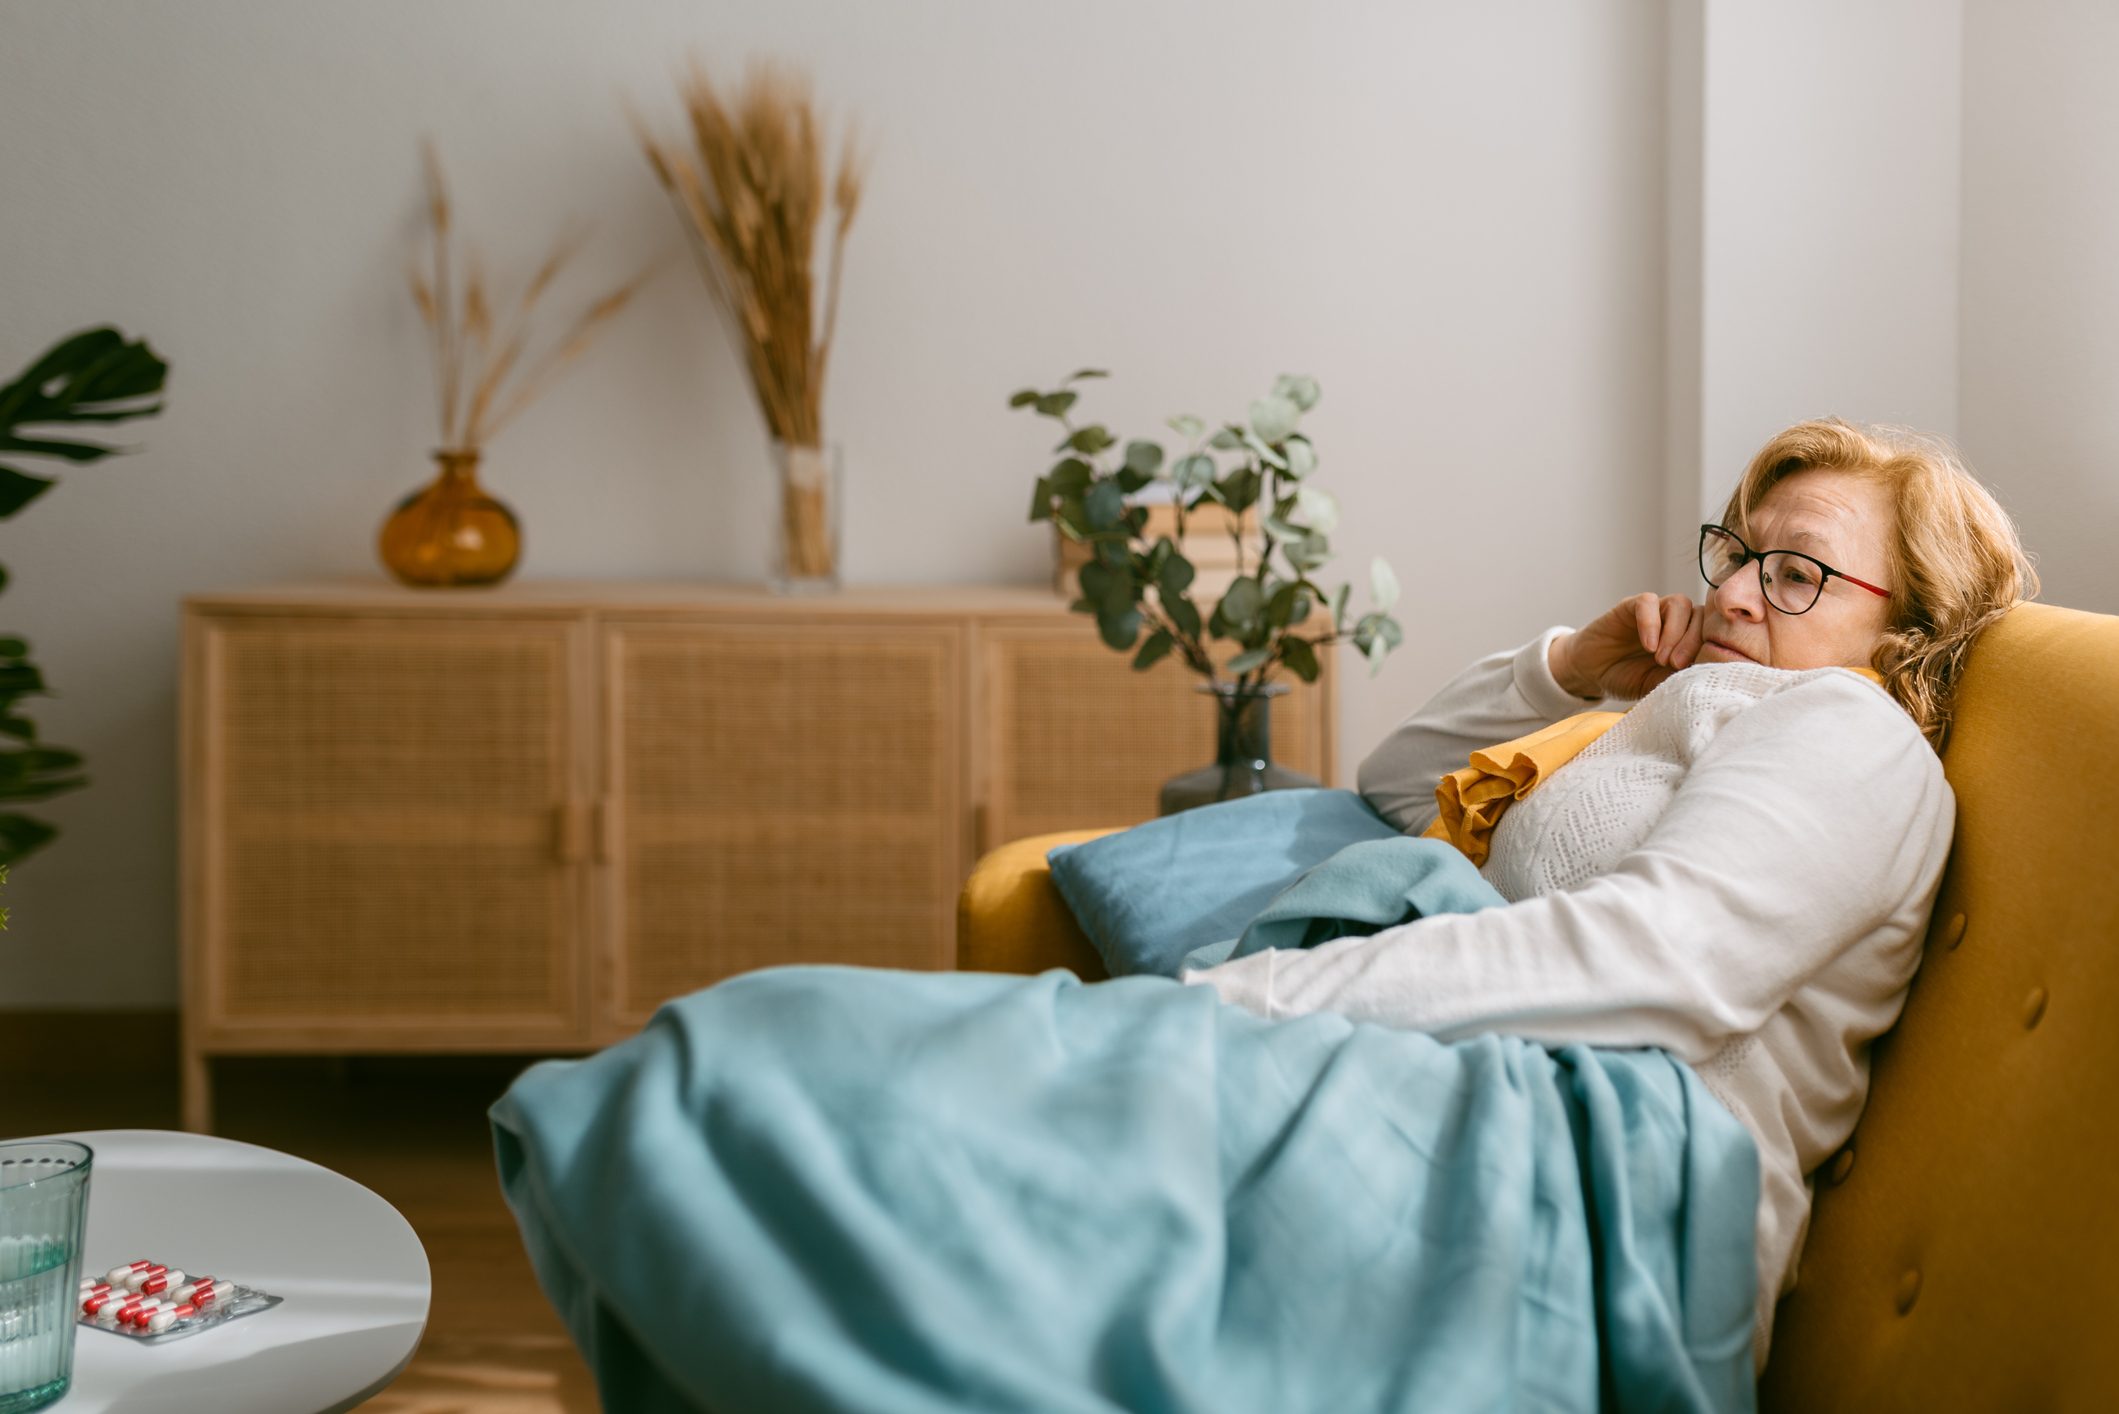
x,y
97,1300
162,1281
168,1316
117,1275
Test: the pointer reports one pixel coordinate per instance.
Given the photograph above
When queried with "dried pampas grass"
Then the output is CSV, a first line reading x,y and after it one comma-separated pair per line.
x,y
486,373
750,188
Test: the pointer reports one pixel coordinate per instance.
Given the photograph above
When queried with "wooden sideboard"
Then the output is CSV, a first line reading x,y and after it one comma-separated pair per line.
x,y
519,819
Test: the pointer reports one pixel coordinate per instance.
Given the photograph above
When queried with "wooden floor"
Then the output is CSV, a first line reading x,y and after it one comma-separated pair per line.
x,y
415,1132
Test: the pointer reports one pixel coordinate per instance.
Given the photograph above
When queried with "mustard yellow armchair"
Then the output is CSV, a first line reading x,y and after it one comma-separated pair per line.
x,y
1964,1249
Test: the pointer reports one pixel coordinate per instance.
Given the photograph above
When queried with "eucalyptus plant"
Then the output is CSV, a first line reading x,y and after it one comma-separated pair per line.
x,y
95,376
1136,588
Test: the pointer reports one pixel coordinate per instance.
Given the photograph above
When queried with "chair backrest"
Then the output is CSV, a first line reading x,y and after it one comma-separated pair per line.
x,y
1964,1249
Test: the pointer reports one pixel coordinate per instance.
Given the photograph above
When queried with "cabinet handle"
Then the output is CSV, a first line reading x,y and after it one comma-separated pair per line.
x,y
606,831
572,832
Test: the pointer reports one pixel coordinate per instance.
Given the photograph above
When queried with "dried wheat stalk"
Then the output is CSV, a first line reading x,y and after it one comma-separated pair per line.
x,y
484,374
750,190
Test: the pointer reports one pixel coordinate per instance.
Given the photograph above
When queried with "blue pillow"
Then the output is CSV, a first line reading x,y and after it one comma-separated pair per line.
x,y
1149,895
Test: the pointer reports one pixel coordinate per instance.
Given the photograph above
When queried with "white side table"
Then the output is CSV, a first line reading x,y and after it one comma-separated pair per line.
x,y
353,1274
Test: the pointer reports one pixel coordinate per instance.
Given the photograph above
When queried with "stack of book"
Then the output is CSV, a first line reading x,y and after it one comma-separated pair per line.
x,y
1206,542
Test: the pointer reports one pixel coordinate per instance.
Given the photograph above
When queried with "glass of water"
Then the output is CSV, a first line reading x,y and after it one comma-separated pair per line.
x,y
43,1212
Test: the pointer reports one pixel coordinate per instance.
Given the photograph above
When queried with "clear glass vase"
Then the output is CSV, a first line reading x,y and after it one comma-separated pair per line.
x,y
1243,757
810,494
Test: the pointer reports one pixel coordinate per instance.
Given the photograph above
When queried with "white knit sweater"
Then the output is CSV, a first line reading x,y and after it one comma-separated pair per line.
x,y
1740,871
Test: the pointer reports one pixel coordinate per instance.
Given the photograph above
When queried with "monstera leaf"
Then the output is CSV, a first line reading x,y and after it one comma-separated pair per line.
x,y
92,377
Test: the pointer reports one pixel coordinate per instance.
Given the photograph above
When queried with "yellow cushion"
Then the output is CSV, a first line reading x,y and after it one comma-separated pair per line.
x,y
1968,1255
1011,918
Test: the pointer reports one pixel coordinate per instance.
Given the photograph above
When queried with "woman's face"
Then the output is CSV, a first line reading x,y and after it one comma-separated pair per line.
x,y
1838,517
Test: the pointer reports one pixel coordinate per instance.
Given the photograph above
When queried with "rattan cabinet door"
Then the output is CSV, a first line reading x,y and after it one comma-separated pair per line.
x,y
775,793
380,833
1075,739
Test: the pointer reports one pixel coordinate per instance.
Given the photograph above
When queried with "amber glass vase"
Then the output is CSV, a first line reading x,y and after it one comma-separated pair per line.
x,y
451,532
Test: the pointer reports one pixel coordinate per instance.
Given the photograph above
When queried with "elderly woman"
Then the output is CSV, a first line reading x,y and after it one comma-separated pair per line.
x,y
1740,870
1549,1152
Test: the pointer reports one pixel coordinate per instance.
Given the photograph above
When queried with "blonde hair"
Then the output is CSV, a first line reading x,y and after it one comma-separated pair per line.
x,y
1956,563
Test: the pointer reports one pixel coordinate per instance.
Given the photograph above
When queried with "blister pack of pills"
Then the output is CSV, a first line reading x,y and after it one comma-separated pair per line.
x,y
153,1302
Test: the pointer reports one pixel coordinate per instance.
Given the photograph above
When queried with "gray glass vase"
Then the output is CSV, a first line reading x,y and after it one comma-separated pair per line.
x,y
1243,757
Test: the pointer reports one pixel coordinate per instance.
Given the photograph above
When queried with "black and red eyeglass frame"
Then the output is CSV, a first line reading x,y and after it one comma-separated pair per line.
x,y
1824,571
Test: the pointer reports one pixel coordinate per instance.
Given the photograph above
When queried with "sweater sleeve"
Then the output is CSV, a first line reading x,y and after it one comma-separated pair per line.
x,y
1807,822
1498,698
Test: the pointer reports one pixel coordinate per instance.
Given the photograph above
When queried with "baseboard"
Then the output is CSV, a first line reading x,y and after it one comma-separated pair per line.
x,y
85,1042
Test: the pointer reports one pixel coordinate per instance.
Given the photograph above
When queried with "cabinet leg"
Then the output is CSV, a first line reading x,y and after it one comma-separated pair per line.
x,y
197,1092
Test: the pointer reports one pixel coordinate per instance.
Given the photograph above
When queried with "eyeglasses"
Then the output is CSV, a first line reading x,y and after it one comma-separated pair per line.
x,y
1791,580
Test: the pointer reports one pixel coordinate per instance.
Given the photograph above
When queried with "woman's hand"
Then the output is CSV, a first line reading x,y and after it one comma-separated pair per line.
x,y
1628,650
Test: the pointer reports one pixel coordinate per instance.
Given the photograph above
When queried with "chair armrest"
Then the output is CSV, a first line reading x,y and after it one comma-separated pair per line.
x,y
1011,918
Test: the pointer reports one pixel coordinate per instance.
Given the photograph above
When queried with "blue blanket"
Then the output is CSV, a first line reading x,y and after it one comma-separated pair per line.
x,y
1361,889
836,1189
1147,896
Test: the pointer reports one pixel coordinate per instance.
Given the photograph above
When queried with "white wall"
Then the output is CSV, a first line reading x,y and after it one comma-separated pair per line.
x,y
1451,214
1816,167
2041,281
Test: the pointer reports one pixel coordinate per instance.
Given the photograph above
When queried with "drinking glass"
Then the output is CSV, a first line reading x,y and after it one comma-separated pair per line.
x,y
43,1212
